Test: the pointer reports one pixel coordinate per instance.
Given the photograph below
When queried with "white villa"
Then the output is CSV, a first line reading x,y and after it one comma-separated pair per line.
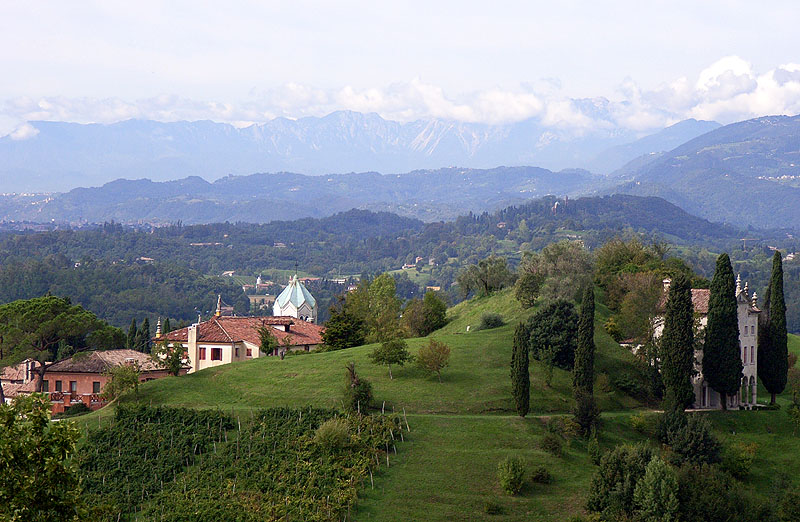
x,y
296,301
705,397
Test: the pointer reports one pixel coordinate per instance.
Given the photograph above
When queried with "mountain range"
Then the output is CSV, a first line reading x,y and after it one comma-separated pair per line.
x,y
745,173
431,195
60,156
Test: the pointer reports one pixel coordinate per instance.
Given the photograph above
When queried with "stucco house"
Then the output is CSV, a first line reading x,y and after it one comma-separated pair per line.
x,y
223,340
80,378
748,311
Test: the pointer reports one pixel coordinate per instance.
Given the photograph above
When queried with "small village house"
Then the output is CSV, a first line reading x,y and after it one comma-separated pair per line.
x,y
80,378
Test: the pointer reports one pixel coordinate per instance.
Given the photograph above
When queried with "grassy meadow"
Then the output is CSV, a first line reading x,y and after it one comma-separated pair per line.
x,y
462,427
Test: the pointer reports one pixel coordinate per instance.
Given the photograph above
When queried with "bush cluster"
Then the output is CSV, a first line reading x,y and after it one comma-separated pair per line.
x,y
511,474
491,320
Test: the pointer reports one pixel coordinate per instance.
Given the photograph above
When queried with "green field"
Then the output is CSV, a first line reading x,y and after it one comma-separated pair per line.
x,y
461,428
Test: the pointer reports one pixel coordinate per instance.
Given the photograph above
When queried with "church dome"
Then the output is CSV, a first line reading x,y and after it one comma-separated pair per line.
x,y
295,300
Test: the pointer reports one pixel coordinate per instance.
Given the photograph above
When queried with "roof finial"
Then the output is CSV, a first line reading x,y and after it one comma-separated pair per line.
x,y
158,329
219,305
738,283
755,300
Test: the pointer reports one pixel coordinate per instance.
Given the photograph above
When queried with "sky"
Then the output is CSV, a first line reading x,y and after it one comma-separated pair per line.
x,y
644,65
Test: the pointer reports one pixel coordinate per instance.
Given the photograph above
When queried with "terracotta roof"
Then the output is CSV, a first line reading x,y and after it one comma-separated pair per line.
x,y
14,373
12,390
102,361
238,329
700,300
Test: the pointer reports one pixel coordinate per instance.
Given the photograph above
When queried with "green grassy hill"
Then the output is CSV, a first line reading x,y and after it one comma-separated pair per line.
x,y
462,427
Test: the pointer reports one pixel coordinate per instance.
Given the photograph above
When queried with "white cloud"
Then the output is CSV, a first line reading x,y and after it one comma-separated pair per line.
x,y
24,132
727,90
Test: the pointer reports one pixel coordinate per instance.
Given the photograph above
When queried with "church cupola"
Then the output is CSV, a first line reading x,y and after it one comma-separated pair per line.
x,y
296,301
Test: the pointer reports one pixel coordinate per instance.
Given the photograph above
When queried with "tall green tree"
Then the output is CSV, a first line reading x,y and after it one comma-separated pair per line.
x,y
48,329
586,412
393,351
38,479
143,337
554,332
343,329
773,352
520,376
489,275
722,364
677,345
166,328
130,342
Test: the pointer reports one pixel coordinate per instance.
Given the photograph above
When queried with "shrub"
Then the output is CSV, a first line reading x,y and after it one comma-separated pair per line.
x,y
737,459
357,392
334,433
594,451
656,494
708,493
491,507
540,475
694,442
491,320
613,329
551,443
511,474
668,422
612,489
644,423
78,408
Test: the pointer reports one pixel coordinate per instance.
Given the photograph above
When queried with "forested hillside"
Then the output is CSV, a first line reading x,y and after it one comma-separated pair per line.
x,y
746,173
172,271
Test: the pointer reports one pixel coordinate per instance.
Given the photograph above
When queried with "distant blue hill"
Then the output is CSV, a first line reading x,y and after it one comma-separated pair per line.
x,y
63,156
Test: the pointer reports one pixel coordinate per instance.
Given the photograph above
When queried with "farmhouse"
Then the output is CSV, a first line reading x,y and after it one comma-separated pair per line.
x,y
223,340
78,379
747,309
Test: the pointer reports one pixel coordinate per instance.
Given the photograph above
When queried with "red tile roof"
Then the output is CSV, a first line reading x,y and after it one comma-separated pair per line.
x,y
238,329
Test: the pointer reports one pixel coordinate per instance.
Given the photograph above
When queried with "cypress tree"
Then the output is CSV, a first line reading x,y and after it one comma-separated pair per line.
x,y
722,364
143,337
583,371
165,328
131,340
677,345
586,412
773,353
520,377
